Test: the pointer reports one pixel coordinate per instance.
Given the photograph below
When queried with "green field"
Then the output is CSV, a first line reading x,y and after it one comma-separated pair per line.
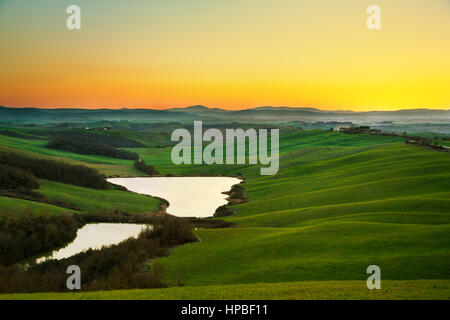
x,y
310,290
19,206
37,149
338,204
329,213
88,200
95,201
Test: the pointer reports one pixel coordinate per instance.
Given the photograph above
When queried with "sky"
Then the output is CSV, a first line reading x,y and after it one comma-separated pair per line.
x,y
230,54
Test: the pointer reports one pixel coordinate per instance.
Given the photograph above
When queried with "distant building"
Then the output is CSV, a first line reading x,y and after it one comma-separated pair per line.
x,y
342,128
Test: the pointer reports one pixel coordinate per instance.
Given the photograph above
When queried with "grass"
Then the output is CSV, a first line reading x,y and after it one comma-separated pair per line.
x,y
338,204
19,206
88,200
310,290
95,201
37,149
329,251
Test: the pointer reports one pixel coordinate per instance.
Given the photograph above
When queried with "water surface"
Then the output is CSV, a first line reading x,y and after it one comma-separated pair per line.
x,y
94,236
188,196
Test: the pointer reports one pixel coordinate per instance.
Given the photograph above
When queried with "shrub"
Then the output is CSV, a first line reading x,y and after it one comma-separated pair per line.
x,y
148,169
14,178
223,211
26,235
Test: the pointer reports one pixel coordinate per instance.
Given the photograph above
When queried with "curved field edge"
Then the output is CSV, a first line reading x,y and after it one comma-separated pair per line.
x,y
308,290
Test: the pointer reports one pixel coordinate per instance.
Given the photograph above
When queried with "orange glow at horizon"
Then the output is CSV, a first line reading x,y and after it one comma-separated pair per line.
x,y
233,55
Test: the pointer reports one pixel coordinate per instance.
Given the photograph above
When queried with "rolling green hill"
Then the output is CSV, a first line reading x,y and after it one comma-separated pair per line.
x,y
98,201
338,204
37,149
19,206
87,200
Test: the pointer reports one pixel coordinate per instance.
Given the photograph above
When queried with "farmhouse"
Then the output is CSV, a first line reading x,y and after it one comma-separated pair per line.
x,y
341,128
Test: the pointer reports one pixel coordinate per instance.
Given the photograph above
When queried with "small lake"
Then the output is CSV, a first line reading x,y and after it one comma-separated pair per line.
x,y
188,196
94,236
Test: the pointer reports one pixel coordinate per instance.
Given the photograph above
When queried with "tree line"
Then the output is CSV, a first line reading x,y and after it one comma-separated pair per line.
x,y
52,170
14,134
26,235
91,148
115,140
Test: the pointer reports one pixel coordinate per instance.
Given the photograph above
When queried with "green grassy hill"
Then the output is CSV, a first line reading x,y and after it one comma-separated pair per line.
x,y
87,200
37,149
338,204
95,201
19,206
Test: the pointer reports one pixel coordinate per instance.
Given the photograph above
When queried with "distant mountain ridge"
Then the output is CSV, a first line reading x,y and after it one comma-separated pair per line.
x,y
199,112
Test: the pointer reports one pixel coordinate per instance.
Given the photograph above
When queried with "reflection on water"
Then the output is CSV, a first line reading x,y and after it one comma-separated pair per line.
x,y
188,196
94,236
